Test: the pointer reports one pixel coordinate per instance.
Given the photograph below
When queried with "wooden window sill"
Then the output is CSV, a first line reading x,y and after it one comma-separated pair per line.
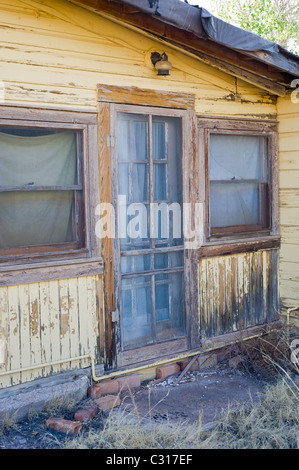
x,y
231,247
49,271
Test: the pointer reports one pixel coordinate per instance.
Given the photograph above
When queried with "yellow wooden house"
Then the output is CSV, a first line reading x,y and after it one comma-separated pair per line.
x,y
149,184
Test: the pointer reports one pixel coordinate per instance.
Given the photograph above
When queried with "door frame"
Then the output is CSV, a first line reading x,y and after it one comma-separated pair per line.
x,y
164,104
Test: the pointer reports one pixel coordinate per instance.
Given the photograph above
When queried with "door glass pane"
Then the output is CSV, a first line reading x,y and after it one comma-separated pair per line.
x,y
139,138
124,180
139,183
132,137
131,264
169,260
160,182
159,139
136,312
167,179
169,311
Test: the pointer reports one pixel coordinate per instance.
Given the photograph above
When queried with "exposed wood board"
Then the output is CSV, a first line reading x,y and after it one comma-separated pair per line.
x,y
107,243
241,293
41,272
137,96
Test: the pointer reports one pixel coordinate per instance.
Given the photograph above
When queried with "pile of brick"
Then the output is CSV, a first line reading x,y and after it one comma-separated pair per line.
x,y
105,395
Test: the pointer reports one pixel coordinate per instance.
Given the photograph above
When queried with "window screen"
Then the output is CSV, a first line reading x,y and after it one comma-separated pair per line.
x,y
239,183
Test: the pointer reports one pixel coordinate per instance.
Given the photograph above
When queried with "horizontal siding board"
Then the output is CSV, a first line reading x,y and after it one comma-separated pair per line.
x,y
289,252
288,128
289,160
289,234
289,217
289,179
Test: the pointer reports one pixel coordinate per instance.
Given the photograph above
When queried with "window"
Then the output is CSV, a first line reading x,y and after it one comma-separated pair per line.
x,y
45,203
41,190
239,184
241,177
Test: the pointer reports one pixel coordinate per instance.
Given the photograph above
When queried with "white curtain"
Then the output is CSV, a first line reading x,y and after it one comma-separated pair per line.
x,y
37,217
238,170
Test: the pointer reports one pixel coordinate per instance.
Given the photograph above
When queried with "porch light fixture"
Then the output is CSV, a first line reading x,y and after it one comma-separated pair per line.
x,y
160,62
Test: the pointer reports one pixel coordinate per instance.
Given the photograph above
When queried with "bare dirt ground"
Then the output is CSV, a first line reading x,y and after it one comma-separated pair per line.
x,y
209,391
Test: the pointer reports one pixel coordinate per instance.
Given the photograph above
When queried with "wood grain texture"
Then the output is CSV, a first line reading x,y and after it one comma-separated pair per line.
x,y
107,243
138,96
237,292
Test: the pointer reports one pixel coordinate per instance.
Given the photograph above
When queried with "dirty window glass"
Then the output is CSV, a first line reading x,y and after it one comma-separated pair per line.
x,y
40,187
239,183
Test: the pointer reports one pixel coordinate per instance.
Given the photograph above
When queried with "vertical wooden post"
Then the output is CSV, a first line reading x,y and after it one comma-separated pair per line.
x,y
107,243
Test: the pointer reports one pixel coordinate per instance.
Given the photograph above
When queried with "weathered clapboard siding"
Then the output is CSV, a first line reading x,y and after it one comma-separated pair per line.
x,y
237,291
62,51
46,322
288,128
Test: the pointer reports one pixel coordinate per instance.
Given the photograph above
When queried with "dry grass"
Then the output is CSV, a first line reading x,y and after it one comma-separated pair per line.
x,y
122,431
266,357
272,423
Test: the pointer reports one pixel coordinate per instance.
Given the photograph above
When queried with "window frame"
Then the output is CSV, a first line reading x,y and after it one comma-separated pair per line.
x,y
236,231
231,241
12,260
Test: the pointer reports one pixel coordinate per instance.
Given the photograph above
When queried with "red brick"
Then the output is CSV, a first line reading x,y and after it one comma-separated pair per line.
x,y
107,402
183,365
86,413
64,425
206,361
104,388
166,371
128,382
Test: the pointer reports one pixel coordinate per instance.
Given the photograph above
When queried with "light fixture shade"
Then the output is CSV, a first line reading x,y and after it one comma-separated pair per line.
x,y
163,67
161,63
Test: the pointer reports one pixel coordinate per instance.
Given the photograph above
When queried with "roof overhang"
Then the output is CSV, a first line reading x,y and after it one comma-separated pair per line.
x,y
230,49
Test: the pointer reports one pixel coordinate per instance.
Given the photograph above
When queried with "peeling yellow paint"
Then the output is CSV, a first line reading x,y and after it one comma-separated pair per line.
x,y
34,315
